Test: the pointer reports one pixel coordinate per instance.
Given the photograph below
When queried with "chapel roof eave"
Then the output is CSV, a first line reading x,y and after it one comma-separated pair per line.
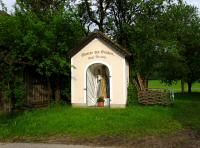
x,y
102,37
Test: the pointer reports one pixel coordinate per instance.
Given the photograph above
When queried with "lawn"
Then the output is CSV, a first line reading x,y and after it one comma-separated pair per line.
x,y
176,87
136,120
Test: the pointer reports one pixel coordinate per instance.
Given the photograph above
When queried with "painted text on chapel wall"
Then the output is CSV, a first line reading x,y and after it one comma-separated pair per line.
x,y
97,54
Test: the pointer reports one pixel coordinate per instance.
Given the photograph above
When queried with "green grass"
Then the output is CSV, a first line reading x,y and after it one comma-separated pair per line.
x,y
133,121
176,87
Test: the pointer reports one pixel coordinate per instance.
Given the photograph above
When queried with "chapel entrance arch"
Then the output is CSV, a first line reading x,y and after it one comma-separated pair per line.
x,y
97,84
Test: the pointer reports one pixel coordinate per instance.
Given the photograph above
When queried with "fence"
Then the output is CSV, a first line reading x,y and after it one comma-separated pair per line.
x,y
37,93
156,96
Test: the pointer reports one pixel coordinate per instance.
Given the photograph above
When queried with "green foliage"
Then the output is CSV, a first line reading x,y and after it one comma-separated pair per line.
x,y
14,90
152,47
54,64
164,38
66,93
186,29
157,32
132,95
100,99
19,92
38,35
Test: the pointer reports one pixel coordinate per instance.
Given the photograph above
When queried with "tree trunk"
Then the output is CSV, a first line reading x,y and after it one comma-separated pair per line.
x,y
142,82
135,83
182,86
189,87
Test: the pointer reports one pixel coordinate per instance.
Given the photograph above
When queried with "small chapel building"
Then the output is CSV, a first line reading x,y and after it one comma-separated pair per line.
x,y
100,68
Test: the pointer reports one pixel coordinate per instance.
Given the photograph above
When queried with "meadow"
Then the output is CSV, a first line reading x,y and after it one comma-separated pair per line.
x,y
109,125
175,86
133,121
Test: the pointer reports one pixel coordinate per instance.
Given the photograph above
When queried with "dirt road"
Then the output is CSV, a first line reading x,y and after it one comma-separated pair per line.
x,y
31,145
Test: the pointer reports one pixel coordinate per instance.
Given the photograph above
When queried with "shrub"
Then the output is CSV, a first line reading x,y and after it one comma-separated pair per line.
x,y
132,95
14,93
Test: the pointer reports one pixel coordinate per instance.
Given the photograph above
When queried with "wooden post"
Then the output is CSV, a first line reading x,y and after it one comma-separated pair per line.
x,y
189,87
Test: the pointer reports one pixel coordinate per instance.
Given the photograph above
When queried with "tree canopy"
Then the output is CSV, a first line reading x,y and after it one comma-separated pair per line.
x,y
30,38
163,36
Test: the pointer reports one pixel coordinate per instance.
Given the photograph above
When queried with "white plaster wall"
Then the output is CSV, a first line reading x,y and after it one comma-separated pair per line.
x,y
127,79
118,71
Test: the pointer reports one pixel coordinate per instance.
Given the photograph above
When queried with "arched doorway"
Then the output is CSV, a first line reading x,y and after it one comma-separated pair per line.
x,y
97,84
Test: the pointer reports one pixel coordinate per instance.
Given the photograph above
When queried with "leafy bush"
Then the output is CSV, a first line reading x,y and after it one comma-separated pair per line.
x,y
15,93
19,92
132,95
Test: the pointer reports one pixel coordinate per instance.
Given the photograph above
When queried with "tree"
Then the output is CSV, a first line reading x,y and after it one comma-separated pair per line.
x,y
48,38
184,24
10,60
150,46
40,40
122,17
162,32
155,31
95,12
39,7
138,26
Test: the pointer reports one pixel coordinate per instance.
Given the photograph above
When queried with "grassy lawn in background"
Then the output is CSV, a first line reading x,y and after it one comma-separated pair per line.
x,y
176,87
136,120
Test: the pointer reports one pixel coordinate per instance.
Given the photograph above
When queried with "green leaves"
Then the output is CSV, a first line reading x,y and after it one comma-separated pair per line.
x,y
54,64
37,37
46,42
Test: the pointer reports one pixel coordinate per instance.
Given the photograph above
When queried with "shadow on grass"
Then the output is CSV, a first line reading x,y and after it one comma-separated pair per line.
x,y
6,117
186,110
